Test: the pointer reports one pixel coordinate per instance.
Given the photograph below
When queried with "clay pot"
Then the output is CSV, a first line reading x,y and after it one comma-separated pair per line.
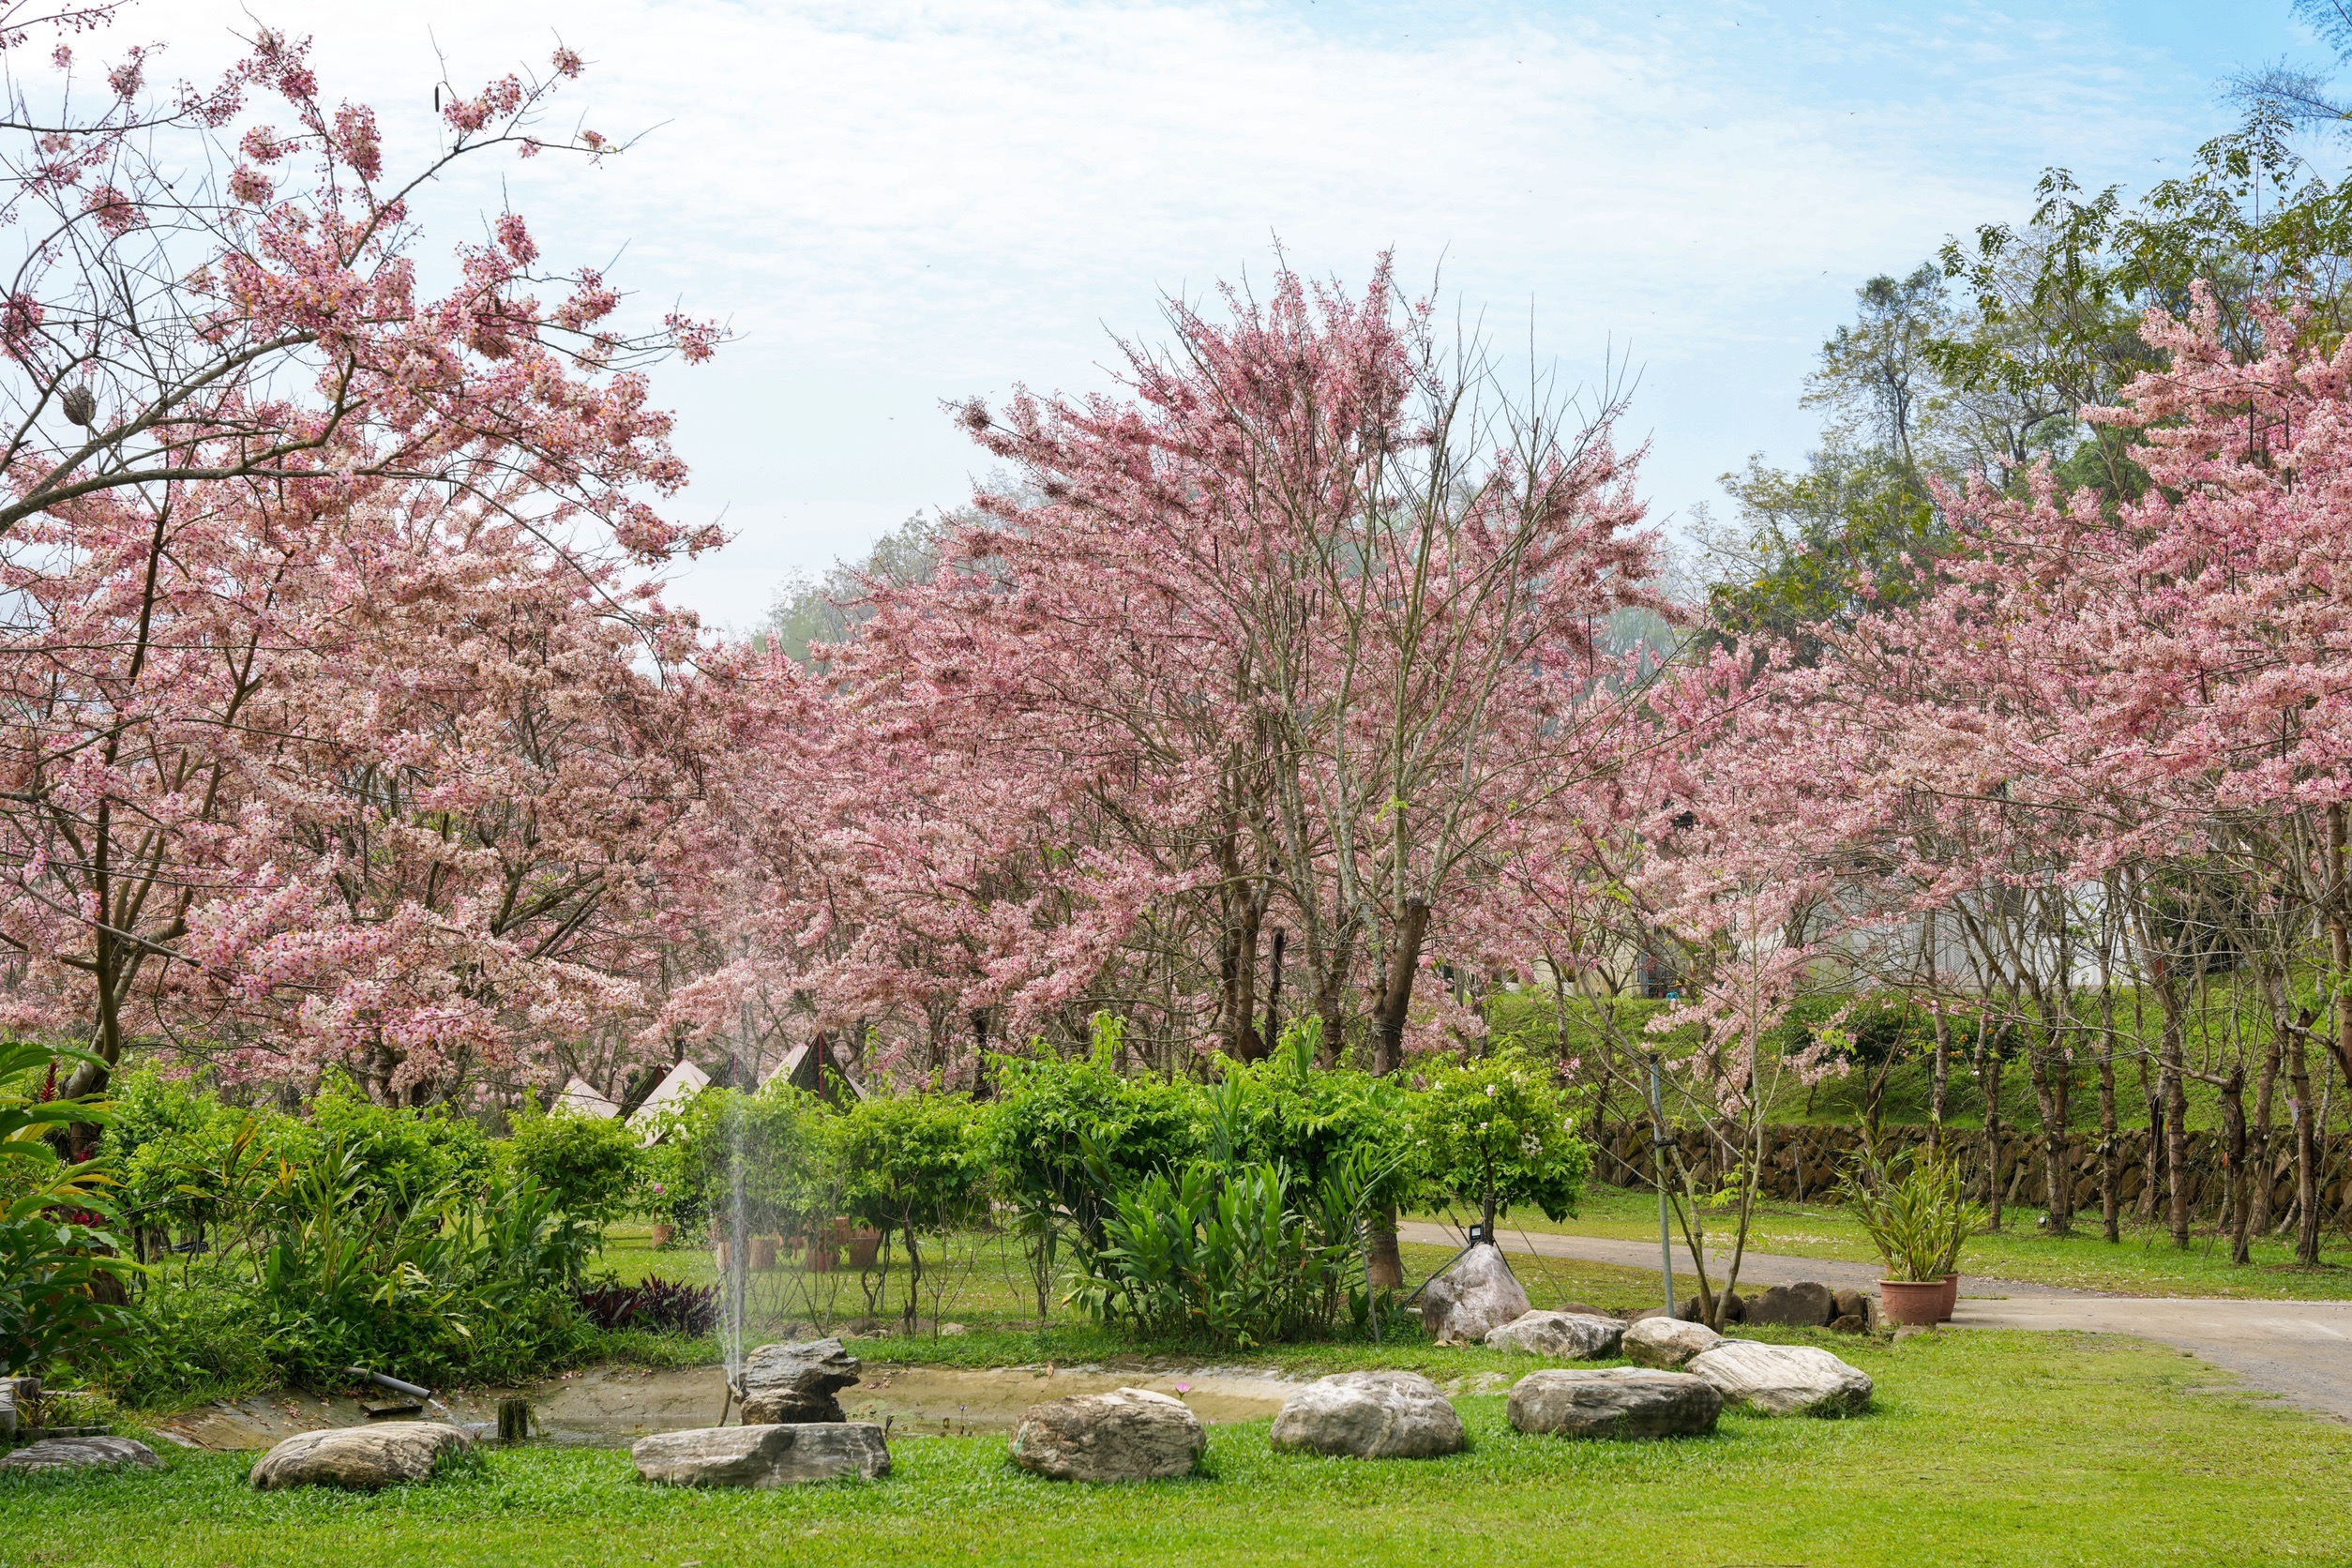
x,y
664,1235
864,1247
1918,1303
718,1256
820,1257
763,1251
1951,1303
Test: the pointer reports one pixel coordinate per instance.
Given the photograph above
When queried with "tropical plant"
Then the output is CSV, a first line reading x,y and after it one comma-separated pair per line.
x,y
62,1276
1918,1218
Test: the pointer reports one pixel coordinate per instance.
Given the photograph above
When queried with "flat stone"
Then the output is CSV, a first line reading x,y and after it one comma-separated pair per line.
x,y
1568,1335
71,1454
1614,1402
764,1455
362,1458
1783,1379
1857,1304
1473,1298
1804,1303
790,1384
1665,1342
1370,1415
1129,1434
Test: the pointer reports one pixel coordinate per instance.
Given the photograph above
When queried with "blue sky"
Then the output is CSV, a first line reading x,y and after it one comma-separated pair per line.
x,y
897,203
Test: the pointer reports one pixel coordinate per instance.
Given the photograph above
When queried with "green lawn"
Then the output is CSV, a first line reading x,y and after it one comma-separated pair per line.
x,y
1983,1448
2145,1263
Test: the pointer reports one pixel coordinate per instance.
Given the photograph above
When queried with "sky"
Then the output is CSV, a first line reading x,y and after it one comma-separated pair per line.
x,y
895,203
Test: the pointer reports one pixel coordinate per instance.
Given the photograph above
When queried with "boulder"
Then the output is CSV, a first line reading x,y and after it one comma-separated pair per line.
x,y
15,1393
1858,1305
1614,1402
1129,1434
1803,1304
1666,1342
385,1453
1734,1309
1473,1298
70,1454
764,1455
1568,1335
1783,1379
1369,1415
796,1383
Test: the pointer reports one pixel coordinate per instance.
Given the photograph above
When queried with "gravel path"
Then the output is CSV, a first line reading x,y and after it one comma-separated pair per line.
x,y
2300,1350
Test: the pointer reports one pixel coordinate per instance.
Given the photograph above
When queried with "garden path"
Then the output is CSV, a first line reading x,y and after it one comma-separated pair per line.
x,y
2300,1350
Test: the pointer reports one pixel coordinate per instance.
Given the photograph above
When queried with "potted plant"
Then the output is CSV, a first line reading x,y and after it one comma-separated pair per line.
x,y
1917,1223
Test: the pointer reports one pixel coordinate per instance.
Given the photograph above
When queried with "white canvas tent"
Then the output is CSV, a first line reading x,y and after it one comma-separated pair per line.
x,y
683,1082
580,1098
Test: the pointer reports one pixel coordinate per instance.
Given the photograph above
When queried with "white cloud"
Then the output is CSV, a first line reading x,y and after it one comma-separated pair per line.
x,y
898,202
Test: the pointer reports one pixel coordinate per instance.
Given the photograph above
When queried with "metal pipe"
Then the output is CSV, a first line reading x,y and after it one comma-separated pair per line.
x,y
384,1380
1657,1162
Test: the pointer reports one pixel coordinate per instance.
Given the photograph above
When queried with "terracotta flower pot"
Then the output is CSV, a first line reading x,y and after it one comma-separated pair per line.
x,y
864,1247
664,1235
1919,1303
763,1251
819,1258
718,1256
1950,1298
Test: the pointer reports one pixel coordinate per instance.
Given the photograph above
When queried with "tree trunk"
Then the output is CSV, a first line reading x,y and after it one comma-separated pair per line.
x,y
2265,1154
2057,1178
2238,1197
1273,996
1396,989
1387,1267
1992,1141
2306,1156
2340,939
1936,1082
2110,1217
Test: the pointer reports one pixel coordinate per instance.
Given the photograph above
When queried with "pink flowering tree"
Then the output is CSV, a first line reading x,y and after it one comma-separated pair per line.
x,y
332,725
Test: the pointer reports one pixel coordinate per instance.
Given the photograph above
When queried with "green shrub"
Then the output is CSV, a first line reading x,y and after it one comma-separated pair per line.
x,y
1500,1131
1229,1255
912,1166
771,1153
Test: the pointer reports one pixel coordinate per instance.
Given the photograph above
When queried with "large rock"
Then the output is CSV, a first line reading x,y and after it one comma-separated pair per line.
x,y
1802,1305
1129,1434
1783,1379
1614,1402
764,1455
1857,1312
70,1454
1568,1335
386,1454
1734,1308
1473,1298
796,1383
1370,1415
1666,1342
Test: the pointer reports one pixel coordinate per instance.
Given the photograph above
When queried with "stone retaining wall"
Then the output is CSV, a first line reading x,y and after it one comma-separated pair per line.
x,y
1802,1161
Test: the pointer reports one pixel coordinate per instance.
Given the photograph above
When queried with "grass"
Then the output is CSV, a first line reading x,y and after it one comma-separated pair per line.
x,y
1983,1448
2144,1263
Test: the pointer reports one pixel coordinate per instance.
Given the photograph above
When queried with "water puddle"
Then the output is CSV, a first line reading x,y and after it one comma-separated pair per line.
x,y
612,1407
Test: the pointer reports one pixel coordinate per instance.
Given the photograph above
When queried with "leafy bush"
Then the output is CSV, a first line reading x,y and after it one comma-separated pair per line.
x,y
442,1285
912,1166
1312,1120
772,1151
1500,1131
